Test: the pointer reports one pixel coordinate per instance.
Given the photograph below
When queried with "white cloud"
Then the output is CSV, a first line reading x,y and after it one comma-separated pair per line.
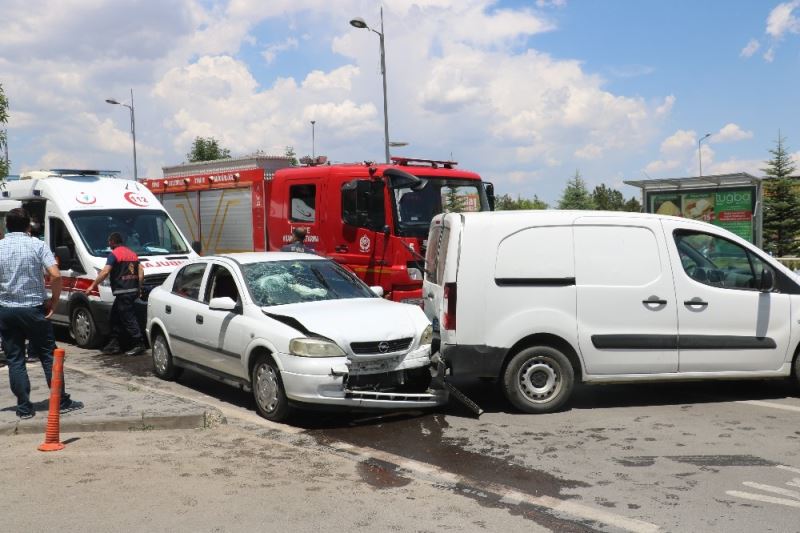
x,y
751,48
769,55
666,107
271,52
679,142
734,165
731,133
340,78
782,19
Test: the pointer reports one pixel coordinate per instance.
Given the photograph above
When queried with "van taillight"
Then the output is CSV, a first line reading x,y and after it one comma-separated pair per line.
x,y
450,294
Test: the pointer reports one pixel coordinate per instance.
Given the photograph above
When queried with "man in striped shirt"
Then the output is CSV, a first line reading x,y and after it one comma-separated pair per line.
x,y
25,308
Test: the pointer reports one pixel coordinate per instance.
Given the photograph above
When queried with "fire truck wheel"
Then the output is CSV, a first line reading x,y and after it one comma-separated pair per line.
x,y
82,327
163,366
538,379
271,402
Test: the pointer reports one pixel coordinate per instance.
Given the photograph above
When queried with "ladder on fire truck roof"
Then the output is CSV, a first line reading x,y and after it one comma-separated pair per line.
x,y
413,162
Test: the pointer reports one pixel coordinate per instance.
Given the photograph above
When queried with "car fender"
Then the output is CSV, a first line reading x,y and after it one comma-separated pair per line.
x,y
254,345
157,322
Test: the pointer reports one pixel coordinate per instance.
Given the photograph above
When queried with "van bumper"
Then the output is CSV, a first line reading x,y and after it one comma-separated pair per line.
x,y
474,360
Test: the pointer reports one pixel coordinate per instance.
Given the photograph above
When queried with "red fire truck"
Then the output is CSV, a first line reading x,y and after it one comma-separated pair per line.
x,y
372,218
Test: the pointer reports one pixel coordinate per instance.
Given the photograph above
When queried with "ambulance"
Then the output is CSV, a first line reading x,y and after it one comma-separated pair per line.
x,y
74,211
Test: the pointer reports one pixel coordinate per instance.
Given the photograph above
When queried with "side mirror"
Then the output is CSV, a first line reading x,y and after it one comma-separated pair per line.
x,y
222,304
377,290
64,257
767,281
489,188
197,246
399,179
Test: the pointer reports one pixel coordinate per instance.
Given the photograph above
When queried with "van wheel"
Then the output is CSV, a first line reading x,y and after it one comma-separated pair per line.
x,y
538,379
163,365
83,328
271,402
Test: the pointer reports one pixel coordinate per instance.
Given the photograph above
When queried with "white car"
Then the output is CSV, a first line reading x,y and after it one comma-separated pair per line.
x,y
294,329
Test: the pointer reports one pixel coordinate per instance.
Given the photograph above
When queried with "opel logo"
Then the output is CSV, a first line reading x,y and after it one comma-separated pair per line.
x,y
383,347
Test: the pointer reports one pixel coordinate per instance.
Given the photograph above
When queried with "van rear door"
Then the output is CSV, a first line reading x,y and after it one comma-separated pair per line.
x,y
442,238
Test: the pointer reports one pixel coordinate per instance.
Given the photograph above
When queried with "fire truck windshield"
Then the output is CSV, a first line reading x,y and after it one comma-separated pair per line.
x,y
414,210
145,231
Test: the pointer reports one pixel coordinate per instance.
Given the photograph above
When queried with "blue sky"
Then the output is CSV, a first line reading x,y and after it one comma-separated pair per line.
x,y
523,92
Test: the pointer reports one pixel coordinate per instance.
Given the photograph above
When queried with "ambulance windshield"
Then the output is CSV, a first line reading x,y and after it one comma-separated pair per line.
x,y
145,231
415,209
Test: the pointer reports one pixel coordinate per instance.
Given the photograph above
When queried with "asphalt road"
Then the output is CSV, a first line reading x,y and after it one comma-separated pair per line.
x,y
711,456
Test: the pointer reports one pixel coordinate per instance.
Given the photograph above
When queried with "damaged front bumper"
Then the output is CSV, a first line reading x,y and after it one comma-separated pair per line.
x,y
398,382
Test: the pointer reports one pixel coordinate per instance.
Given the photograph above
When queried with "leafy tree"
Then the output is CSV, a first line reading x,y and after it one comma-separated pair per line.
x,y
207,149
505,202
781,203
290,153
3,133
633,205
607,199
575,195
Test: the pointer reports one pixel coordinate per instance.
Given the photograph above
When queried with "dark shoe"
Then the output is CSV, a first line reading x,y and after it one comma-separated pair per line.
x,y
139,349
111,348
26,416
72,405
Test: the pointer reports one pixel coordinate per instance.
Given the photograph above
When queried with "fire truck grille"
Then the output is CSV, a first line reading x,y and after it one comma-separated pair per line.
x,y
380,347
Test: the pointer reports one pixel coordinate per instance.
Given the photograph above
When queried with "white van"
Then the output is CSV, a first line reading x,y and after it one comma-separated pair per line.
x,y
540,299
74,211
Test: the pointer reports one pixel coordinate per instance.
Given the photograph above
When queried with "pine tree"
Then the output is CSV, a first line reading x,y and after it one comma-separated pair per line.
x,y
3,134
607,199
781,204
575,195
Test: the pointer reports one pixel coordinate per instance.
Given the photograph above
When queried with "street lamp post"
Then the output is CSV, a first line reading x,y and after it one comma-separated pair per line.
x,y
313,140
133,130
358,22
700,153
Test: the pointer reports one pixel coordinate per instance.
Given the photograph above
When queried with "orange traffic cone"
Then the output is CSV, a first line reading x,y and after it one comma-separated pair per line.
x,y
52,440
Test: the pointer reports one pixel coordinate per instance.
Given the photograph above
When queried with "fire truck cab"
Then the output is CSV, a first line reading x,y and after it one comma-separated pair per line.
x,y
372,218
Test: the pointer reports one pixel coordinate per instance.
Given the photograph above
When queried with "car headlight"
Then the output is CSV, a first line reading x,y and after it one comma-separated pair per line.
x,y
310,347
427,336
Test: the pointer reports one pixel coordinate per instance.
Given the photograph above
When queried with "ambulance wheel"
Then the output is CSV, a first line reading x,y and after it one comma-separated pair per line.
x,y
83,328
268,392
163,365
538,379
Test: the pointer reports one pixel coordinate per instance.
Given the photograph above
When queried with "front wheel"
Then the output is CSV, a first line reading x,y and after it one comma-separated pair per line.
x,y
538,379
271,402
163,365
83,328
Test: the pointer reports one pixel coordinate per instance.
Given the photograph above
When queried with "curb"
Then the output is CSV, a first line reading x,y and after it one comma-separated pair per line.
x,y
194,420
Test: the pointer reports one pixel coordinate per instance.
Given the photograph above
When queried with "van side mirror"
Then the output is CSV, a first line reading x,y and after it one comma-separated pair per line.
x,y
767,281
64,257
197,246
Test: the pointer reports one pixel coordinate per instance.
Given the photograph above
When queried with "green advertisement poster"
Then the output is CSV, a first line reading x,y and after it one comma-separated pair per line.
x,y
731,209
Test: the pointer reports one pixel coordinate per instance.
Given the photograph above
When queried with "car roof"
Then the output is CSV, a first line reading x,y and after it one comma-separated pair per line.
x,y
265,257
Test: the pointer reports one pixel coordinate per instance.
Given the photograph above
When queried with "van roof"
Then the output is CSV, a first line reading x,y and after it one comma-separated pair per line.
x,y
83,192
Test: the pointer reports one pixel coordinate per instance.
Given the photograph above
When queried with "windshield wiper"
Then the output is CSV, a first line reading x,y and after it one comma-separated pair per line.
x,y
322,280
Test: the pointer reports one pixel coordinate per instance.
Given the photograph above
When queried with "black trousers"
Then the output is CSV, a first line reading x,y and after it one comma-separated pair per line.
x,y
123,319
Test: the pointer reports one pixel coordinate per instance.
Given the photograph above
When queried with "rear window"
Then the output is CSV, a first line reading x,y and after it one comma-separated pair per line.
x,y
436,256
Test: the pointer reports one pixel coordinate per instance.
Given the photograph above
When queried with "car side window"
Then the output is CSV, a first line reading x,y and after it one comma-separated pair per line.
x,y
715,261
302,199
188,281
221,284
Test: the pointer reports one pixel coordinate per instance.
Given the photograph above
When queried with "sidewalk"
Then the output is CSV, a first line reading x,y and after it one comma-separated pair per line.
x,y
108,405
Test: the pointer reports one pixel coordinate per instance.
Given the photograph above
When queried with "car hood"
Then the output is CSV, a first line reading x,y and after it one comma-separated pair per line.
x,y
352,320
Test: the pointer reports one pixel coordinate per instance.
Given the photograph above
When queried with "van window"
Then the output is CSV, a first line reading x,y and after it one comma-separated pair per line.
x,y
145,231
187,282
718,262
441,260
59,236
303,201
431,253
616,256
543,253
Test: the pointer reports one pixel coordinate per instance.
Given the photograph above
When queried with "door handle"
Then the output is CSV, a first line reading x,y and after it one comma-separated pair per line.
x,y
654,300
168,309
198,319
696,301
341,248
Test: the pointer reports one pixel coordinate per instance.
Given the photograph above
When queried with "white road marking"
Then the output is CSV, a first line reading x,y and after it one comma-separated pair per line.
x,y
789,468
762,498
772,405
774,490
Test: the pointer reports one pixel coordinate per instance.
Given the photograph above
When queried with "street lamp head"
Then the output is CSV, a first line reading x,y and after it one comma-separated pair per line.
x,y
112,101
358,22
706,136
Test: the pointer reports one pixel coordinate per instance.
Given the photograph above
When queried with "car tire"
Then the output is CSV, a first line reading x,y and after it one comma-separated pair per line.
x,y
538,379
163,365
83,328
268,391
